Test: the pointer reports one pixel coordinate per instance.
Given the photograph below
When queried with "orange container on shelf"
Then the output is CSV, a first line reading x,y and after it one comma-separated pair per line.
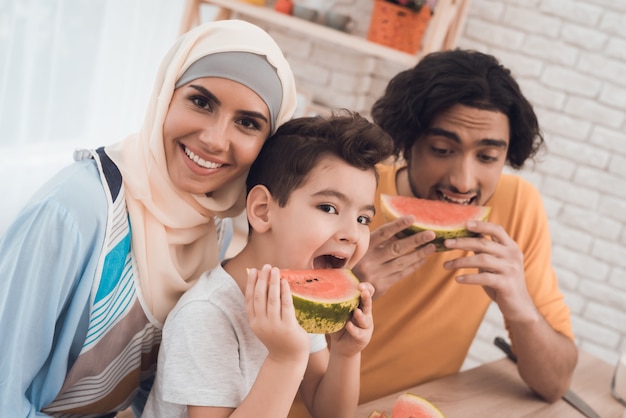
x,y
284,6
398,27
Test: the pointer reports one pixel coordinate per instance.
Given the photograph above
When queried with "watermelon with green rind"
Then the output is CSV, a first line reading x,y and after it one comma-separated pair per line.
x,y
409,405
446,220
324,299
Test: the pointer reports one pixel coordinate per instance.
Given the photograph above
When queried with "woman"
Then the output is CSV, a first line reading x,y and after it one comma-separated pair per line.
x,y
91,267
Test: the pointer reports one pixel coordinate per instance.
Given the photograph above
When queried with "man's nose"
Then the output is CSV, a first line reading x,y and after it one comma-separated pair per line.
x,y
463,177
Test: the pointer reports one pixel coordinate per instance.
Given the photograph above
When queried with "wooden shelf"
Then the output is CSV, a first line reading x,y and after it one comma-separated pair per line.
x,y
442,34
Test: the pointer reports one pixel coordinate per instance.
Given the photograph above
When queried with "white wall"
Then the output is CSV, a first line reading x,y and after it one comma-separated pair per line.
x,y
78,73
73,73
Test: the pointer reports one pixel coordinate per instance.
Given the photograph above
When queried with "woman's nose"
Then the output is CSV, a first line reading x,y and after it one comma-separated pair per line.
x,y
215,137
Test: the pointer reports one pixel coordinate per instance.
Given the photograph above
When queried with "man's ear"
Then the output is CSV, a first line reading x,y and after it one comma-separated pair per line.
x,y
257,207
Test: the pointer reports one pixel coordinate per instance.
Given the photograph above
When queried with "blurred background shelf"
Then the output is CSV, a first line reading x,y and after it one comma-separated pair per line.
x,y
442,34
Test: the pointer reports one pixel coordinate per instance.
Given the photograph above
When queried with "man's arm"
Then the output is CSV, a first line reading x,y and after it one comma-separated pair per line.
x,y
546,358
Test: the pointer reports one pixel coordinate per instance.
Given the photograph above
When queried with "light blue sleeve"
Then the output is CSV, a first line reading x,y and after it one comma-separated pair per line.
x,y
48,258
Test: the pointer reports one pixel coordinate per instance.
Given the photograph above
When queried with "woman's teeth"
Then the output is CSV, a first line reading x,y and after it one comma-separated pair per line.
x,y
200,161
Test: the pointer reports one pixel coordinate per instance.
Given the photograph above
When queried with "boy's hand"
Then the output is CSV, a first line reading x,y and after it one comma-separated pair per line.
x,y
272,317
357,333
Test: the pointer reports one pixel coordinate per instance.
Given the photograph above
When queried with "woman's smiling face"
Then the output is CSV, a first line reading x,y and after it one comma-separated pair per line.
x,y
213,131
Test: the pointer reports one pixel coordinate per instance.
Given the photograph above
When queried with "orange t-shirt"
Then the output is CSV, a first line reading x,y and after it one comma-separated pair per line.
x,y
424,324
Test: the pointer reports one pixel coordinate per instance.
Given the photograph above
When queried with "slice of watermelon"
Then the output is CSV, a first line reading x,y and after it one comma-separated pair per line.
x,y
447,220
409,405
324,299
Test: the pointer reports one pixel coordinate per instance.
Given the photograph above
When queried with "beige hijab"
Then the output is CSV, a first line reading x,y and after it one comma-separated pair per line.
x,y
173,232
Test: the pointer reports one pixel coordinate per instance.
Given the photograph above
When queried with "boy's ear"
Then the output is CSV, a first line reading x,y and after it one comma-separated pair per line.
x,y
258,207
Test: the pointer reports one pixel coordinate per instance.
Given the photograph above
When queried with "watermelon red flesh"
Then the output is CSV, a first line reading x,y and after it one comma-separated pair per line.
x,y
324,299
409,405
447,220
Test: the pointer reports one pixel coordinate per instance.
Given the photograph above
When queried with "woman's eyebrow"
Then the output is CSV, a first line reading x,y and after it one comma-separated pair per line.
x,y
253,114
205,92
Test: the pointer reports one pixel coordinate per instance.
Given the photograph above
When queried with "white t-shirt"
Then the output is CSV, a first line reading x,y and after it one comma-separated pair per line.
x,y
209,355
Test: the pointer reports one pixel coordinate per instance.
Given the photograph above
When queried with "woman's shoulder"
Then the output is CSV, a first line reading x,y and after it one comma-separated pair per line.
x,y
75,194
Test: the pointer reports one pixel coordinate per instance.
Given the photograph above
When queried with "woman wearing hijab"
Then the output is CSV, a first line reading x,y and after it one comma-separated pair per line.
x,y
95,261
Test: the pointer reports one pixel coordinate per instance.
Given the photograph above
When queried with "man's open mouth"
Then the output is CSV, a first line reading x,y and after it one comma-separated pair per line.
x,y
449,199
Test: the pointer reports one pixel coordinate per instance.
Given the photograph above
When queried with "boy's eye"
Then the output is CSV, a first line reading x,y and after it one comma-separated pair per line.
x,y
328,208
364,220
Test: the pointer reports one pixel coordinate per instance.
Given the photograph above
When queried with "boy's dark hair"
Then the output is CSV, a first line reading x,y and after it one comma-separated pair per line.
x,y
288,156
413,98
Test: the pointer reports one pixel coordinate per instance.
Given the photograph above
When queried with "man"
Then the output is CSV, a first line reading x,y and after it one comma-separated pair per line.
x,y
456,119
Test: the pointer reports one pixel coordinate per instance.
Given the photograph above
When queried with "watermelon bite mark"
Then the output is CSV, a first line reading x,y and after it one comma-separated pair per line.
x,y
446,220
324,299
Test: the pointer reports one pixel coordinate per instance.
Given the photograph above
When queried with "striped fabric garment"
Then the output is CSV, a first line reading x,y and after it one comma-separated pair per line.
x,y
120,349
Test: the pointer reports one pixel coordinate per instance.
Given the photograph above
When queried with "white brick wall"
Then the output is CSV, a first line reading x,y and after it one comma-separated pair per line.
x,y
570,58
578,90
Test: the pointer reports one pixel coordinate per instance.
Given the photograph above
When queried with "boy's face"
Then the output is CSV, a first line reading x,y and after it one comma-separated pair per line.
x,y
325,221
461,156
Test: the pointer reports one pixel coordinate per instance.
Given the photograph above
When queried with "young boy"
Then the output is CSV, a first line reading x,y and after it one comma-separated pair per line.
x,y
232,346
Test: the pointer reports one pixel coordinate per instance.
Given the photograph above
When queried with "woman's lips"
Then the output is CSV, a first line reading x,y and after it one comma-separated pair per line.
x,y
199,161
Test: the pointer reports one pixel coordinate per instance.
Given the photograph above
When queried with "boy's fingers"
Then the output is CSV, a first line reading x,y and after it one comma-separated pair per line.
x,y
260,291
287,308
273,294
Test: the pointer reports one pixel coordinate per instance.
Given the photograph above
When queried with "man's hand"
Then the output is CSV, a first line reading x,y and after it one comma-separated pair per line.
x,y
389,259
500,265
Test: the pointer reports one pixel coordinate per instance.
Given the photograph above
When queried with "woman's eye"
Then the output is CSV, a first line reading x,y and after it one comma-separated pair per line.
x,y
249,123
201,102
328,208
364,220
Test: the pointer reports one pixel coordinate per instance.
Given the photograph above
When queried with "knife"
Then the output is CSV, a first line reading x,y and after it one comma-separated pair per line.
x,y
570,397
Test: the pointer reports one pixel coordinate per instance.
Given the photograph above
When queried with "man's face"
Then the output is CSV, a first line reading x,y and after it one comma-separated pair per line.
x,y
460,157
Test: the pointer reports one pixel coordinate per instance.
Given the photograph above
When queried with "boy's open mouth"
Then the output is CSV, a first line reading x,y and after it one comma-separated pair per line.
x,y
328,261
